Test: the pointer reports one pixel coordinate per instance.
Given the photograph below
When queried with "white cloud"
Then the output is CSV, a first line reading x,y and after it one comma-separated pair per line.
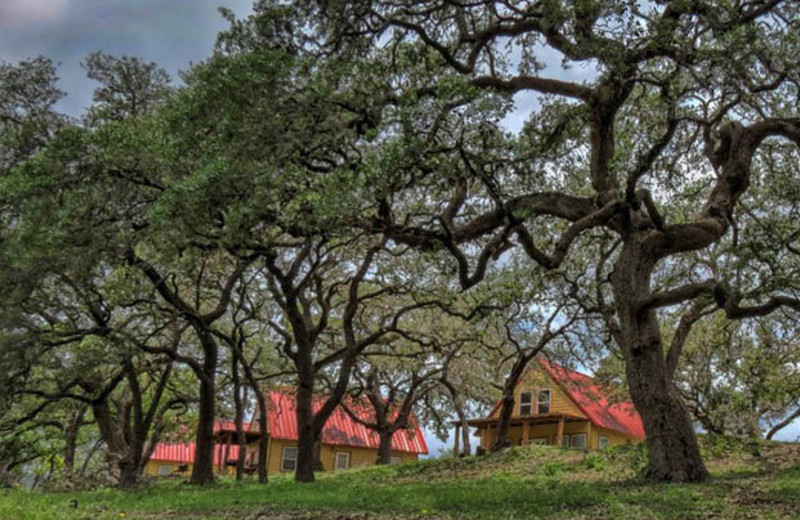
x,y
15,13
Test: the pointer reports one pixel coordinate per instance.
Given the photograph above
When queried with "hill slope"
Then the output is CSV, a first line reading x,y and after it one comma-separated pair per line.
x,y
530,482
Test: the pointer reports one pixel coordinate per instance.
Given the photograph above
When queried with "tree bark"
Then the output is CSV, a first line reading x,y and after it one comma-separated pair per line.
x,y
241,440
305,432
263,440
507,408
203,469
674,455
384,447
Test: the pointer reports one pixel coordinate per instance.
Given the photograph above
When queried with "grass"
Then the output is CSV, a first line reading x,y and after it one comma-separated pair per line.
x,y
530,482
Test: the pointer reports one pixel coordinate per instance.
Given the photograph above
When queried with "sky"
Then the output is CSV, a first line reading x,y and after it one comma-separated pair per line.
x,y
172,33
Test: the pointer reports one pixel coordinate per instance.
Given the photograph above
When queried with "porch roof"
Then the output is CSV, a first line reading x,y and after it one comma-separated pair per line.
x,y
543,418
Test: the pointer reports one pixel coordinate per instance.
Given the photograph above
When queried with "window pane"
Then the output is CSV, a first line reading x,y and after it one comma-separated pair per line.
x,y
579,440
289,458
525,400
543,401
603,442
342,460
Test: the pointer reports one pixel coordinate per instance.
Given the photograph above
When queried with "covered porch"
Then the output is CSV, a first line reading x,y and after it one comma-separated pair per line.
x,y
226,447
551,428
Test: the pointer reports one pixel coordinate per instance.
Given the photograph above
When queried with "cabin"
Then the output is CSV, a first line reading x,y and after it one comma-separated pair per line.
x,y
345,442
557,406
176,458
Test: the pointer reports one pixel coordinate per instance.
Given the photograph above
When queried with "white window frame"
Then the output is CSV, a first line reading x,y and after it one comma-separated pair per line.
x,y
336,456
529,404
164,470
285,458
394,460
602,442
540,441
539,402
578,436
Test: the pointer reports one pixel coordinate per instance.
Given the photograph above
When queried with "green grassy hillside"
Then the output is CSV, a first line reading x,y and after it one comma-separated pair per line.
x,y
532,482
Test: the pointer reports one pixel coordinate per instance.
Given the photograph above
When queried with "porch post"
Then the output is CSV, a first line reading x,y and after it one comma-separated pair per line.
x,y
526,432
455,441
560,431
227,452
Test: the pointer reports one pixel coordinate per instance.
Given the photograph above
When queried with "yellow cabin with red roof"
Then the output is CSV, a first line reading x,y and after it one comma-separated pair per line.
x,y
345,442
561,407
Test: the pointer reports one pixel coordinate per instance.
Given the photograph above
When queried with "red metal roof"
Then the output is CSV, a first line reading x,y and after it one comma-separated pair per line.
x,y
341,429
183,452
592,399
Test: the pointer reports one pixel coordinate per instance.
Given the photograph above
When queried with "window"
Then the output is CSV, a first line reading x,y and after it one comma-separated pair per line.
x,y
543,401
578,441
525,400
164,470
395,460
289,458
602,442
539,440
342,460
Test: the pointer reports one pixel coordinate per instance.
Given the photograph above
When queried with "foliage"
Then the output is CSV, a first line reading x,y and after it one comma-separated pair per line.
x,y
504,485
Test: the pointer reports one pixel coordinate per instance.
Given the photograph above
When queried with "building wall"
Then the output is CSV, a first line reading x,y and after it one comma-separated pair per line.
x,y
614,437
536,379
153,468
358,456
547,431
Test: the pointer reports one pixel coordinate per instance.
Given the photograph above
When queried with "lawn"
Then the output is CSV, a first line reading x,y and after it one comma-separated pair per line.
x,y
531,482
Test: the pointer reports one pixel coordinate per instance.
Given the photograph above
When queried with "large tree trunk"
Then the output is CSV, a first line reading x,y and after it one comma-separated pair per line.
x,y
263,440
305,432
203,469
674,455
384,447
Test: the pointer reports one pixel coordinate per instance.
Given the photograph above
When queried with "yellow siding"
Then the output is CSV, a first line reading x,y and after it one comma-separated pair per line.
x,y
153,466
614,437
536,379
358,456
546,431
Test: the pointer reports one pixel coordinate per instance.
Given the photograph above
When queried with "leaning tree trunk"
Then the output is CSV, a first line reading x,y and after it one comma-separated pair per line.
x,y
384,446
203,469
674,455
462,417
507,408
